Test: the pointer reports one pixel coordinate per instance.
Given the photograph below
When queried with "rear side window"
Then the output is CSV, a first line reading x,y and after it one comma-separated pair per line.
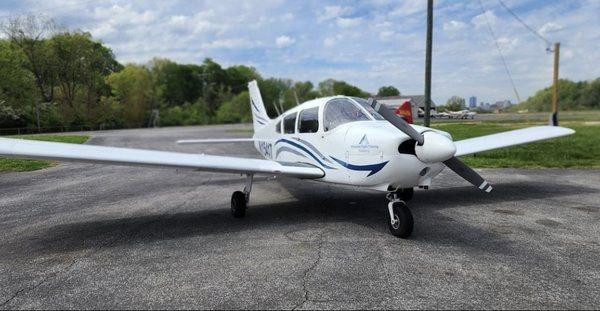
x,y
289,124
309,120
278,127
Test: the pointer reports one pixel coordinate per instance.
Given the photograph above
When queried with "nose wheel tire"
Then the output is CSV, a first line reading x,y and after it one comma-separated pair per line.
x,y
401,225
238,204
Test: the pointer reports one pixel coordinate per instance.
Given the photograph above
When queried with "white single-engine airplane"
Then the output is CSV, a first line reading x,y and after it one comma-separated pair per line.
x,y
338,139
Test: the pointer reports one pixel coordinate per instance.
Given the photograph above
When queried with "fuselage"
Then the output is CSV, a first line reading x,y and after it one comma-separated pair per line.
x,y
352,144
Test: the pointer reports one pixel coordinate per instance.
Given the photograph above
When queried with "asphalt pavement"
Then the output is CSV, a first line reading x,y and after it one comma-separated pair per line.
x,y
107,237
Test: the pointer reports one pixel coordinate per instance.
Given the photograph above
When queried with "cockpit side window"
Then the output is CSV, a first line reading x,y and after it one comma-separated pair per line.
x,y
308,121
341,111
278,127
289,124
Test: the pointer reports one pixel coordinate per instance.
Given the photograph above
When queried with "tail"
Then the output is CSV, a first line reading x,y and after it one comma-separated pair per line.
x,y
259,113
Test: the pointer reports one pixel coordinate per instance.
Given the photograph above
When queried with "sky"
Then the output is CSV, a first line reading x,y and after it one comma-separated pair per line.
x,y
366,43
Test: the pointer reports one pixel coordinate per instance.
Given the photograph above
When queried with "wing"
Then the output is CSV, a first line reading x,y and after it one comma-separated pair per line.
x,y
139,157
510,138
219,141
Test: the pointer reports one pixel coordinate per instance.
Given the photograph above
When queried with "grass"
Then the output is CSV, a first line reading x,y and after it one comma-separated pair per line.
x,y
581,150
22,165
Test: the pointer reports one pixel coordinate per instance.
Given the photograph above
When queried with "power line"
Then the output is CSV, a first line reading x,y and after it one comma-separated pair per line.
x,y
533,31
500,52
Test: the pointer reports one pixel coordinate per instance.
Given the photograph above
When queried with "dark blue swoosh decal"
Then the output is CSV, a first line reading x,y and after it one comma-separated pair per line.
x,y
305,150
254,105
373,168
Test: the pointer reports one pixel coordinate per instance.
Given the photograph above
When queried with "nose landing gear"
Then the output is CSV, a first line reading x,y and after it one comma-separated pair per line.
x,y
401,219
239,199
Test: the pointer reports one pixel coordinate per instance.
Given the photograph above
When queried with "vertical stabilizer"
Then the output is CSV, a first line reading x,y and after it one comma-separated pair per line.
x,y
259,113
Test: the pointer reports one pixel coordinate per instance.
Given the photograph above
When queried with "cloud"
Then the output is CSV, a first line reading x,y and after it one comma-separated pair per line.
x,y
228,44
549,28
367,43
454,26
284,41
348,22
484,18
333,12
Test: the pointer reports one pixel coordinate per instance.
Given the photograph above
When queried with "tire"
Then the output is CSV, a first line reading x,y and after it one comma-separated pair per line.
x,y
238,204
404,225
406,194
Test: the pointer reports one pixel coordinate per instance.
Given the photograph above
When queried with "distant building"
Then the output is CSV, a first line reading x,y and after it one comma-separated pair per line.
x,y
502,104
472,102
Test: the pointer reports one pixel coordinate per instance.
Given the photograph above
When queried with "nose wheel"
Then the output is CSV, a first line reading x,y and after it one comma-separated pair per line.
x,y
401,219
239,199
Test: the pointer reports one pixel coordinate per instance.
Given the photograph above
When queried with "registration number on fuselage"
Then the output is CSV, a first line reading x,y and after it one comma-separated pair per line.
x,y
266,149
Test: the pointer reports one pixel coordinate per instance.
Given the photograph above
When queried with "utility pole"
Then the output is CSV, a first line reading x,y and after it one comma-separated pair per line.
x,y
555,85
428,63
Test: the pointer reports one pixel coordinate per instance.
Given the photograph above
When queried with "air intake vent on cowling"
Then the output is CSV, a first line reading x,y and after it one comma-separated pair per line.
x,y
407,147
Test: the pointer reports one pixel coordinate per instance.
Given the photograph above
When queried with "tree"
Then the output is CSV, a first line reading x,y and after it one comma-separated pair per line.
x,y
388,91
239,76
29,34
176,83
132,87
571,96
455,103
235,110
81,67
332,87
17,88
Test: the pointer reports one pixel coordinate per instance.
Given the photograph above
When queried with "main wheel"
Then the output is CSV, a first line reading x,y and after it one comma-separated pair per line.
x,y
238,204
403,221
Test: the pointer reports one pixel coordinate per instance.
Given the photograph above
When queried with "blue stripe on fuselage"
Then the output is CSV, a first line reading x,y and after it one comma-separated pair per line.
x,y
373,168
305,150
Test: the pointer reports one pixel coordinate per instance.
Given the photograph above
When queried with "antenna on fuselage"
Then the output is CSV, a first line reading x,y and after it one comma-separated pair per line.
x,y
276,109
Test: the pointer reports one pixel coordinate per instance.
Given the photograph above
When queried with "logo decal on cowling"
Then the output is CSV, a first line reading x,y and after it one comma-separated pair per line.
x,y
364,145
364,141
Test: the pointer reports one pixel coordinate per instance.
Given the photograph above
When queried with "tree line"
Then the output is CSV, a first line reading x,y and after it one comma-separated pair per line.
x,y
581,95
51,76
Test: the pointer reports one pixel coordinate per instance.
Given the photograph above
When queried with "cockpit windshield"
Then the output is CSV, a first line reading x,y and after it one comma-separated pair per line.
x,y
340,111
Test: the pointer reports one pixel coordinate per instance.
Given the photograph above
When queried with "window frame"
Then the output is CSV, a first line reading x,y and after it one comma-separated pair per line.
x,y
299,122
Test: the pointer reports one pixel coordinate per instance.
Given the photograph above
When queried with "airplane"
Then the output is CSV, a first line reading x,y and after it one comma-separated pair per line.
x,y
338,139
461,114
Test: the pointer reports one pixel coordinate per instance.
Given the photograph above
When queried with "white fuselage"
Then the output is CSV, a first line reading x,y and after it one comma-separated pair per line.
x,y
361,153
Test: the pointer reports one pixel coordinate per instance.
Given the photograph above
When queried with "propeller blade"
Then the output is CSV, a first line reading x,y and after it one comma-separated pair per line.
x,y
396,121
468,174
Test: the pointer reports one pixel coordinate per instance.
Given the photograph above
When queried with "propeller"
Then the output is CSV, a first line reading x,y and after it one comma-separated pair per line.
x,y
432,147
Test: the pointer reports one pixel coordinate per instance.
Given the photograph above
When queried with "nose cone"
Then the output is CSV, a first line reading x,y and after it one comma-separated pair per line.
x,y
436,148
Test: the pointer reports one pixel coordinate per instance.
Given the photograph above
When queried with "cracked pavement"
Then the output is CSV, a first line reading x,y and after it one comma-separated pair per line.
x,y
82,236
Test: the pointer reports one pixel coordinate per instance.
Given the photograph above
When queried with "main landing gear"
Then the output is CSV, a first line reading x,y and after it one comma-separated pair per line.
x,y
239,199
401,220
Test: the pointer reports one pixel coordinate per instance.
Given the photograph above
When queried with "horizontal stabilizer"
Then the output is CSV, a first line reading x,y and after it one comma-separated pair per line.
x,y
510,138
